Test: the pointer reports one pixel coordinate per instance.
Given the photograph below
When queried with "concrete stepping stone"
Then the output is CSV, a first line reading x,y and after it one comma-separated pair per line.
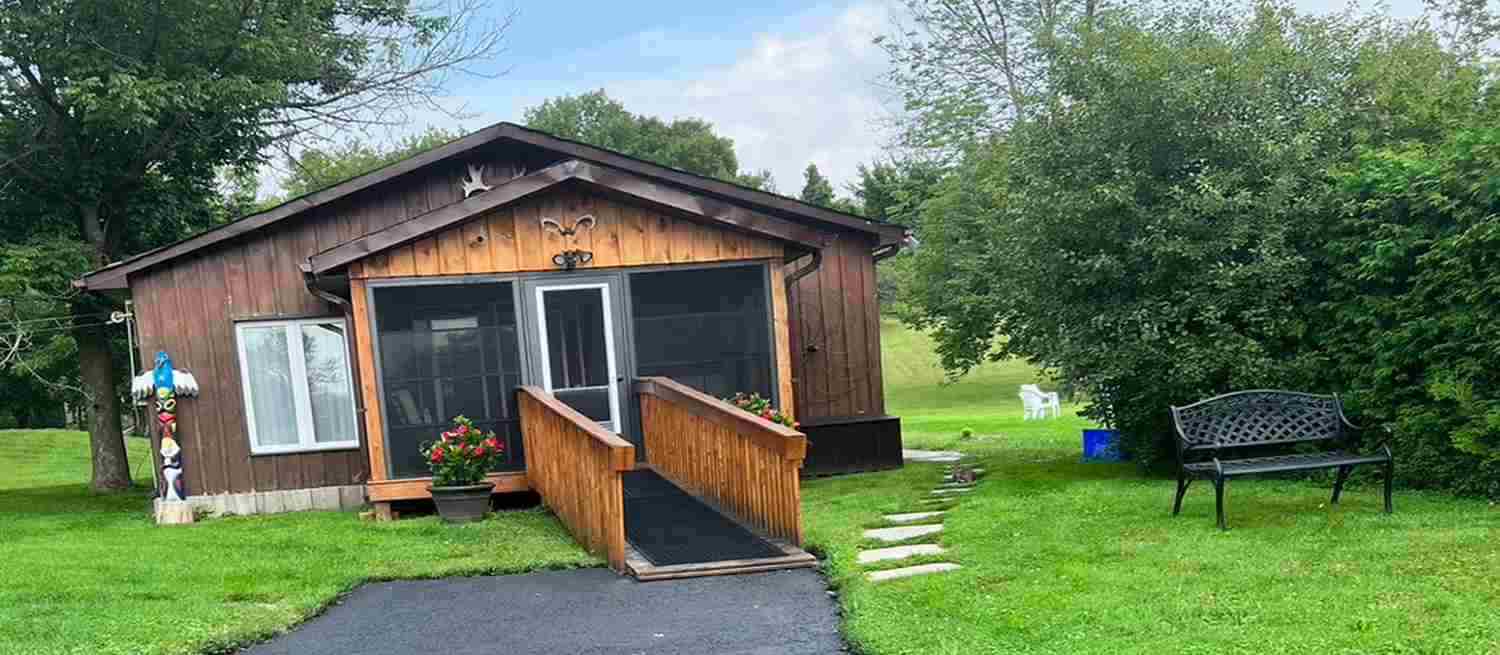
x,y
903,532
956,485
899,552
950,492
911,571
911,517
937,456
941,500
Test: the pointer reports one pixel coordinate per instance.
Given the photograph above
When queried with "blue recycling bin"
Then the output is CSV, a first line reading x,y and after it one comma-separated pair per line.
x,y
1102,446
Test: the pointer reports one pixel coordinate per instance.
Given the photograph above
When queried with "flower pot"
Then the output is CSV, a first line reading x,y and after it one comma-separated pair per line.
x,y
465,504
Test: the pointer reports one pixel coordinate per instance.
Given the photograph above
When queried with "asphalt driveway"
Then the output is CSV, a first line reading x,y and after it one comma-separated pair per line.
x,y
588,611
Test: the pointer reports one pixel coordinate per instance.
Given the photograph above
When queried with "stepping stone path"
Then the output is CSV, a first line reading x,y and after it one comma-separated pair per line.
x,y
912,517
907,572
912,525
932,456
899,552
903,532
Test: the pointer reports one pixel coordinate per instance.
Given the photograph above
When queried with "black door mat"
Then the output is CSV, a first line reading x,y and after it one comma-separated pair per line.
x,y
668,526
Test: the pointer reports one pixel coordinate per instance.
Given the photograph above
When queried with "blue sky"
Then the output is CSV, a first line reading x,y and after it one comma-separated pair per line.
x,y
790,82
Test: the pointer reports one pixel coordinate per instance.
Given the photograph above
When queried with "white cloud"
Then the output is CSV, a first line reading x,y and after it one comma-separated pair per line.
x,y
787,100
803,93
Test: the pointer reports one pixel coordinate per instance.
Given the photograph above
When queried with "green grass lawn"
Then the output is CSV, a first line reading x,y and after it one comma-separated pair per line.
x,y
93,574
1064,557
1058,556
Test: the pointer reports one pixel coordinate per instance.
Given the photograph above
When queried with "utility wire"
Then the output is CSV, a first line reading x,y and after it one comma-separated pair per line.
x,y
26,321
16,333
55,318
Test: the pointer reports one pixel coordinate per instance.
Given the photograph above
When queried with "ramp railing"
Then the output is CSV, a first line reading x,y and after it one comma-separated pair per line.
x,y
576,464
747,466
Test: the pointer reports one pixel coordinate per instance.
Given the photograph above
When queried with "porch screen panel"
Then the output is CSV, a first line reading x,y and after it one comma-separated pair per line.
x,y
447,350
708,328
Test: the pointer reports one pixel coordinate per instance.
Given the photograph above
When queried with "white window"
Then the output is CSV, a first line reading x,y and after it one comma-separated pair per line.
x,y
298,395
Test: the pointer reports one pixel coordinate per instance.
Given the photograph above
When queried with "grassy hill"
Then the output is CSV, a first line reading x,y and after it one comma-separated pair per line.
x,y
934,410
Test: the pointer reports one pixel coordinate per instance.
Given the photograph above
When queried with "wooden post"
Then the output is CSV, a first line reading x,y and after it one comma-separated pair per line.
x,y
173,512
383,512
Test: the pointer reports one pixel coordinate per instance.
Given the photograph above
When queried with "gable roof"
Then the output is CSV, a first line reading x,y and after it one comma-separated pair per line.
x,y
115,276
603,177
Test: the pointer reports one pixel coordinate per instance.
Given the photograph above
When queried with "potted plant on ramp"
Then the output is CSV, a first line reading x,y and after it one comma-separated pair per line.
x,y
460,459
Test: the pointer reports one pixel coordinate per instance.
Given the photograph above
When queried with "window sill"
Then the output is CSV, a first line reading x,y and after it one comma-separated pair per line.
x,y
299,450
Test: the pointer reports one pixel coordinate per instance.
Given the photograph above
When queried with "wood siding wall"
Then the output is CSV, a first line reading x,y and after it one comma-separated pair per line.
x,y
575,464
511,239
835,334
188,306
746,466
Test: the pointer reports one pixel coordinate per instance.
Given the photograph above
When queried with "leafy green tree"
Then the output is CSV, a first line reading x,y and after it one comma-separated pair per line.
x,y
116,117
816,189
893,192
1413,301
687,144
969,69
1157,237
317,168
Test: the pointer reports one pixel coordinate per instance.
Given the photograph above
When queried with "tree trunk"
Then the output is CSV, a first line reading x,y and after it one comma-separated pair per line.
x,y
106,441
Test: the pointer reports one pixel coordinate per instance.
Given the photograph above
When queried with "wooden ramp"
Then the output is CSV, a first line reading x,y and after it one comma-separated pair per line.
x,y
672,534
720,492
645,571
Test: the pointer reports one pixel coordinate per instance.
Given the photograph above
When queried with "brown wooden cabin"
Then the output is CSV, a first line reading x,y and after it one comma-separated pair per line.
x,y
576,307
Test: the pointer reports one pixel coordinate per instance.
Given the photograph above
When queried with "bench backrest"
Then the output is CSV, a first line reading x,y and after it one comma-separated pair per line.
x,y
1256,418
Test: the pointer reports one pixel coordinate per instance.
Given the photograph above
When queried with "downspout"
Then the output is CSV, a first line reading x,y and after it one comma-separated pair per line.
x,y
311,280
791,278
350,350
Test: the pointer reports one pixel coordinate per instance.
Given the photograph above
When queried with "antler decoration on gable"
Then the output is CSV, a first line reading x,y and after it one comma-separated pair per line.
x,y
571,257
585,223
474,183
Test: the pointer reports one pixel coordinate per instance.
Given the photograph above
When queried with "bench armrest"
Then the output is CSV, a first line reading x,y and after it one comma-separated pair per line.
x,y
1385,433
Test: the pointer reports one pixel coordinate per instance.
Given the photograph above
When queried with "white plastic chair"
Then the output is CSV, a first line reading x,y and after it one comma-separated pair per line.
x,y
1034,404
1037,402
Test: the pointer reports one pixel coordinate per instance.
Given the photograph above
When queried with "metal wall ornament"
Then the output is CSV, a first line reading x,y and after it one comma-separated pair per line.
x,y
474,183
584,223
166,384
570,258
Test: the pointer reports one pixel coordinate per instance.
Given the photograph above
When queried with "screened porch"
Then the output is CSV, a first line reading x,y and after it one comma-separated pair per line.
x,y
462,346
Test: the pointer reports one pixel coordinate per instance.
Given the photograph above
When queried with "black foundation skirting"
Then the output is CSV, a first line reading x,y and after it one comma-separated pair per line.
x,y
851,444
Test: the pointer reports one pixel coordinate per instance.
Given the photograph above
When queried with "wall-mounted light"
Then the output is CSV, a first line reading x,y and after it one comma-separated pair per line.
x,y
570,259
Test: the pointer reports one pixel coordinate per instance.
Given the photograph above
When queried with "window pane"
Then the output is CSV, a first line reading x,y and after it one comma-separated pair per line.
x,y
328,386
706,328
575,338
446,350
269,370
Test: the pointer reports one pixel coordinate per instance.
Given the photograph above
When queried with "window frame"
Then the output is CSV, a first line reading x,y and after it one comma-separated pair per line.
x,y
372,317
301,393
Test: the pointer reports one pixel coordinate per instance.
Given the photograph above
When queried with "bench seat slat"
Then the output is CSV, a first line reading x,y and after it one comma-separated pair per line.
x,y
1293,462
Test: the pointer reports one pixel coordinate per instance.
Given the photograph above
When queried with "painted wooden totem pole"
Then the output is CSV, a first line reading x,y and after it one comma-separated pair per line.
x,y
166,384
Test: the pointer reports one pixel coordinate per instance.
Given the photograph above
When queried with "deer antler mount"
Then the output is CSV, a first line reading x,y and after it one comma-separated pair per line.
x,y
474,183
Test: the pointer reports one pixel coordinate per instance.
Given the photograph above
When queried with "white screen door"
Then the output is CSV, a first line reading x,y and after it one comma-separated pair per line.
x,y
576,333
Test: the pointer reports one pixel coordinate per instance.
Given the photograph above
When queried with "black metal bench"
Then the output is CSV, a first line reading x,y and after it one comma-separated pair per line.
x,y
1208,431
